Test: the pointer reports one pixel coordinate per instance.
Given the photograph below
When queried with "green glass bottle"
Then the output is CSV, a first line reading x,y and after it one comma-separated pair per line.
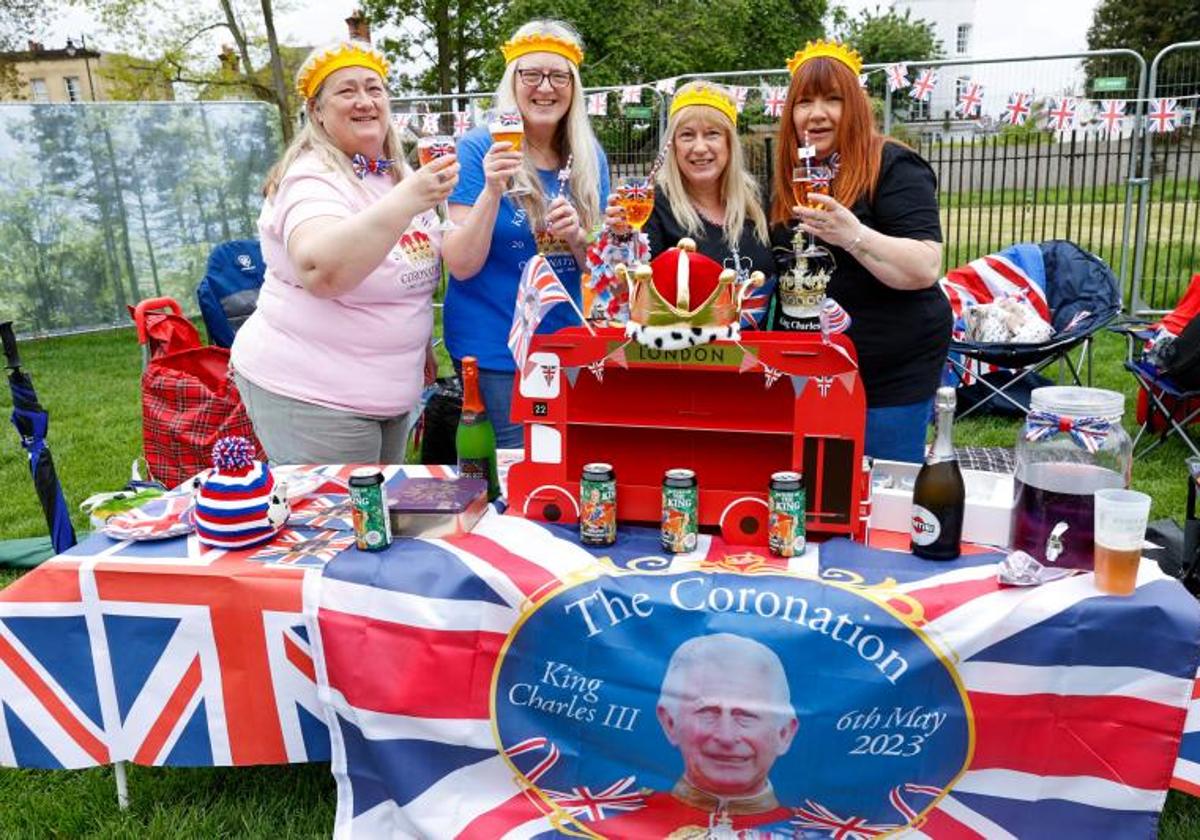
x,y
475,439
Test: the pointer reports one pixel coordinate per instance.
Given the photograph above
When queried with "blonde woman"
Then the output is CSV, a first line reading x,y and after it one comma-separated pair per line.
x,y
332,362
496,234
704,191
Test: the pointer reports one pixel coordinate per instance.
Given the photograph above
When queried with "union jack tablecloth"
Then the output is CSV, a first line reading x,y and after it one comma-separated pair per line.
x,y
162,652
507,684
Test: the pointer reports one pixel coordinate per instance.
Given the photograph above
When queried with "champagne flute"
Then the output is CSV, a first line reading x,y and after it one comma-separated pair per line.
x,y
430,149
811,179
507,126
635,196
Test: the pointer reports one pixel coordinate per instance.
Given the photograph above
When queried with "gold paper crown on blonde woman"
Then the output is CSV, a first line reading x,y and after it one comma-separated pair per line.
x,y
826,49
705,94
526,44
346,54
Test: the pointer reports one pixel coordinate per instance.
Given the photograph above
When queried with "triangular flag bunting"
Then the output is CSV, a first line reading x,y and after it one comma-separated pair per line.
x,y
798,384
572,374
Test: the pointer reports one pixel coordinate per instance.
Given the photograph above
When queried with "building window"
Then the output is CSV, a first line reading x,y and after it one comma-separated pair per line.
x,y
72,85
962,39
41,93
918,110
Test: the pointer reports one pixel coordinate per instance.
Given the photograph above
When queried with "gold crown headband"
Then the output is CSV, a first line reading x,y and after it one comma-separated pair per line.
x,y
826,49
350,54
526,44
705,95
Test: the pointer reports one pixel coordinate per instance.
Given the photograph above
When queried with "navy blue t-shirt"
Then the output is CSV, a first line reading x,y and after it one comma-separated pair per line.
x,y
479,310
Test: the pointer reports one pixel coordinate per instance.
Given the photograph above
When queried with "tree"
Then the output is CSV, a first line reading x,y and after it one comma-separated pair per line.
x,y
451,37
888,37
1146,26
178,41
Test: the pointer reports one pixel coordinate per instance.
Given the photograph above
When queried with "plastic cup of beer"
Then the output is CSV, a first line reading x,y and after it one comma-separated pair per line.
x,y
1121,517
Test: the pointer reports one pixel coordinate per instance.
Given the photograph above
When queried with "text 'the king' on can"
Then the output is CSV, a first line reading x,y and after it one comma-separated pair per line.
x,y
372,525
680,511
785,519
598,505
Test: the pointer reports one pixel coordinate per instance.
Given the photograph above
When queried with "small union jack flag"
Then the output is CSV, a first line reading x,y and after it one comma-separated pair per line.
x,y
739,93
430,124
158,518
597,104
815,815
1163,116
922,88
462,123
1062,113
1018,109
773,100
631,94
583,803
1112,115
327,511
597,370
539,290
970,99
771,375
666,85
296,548
897,77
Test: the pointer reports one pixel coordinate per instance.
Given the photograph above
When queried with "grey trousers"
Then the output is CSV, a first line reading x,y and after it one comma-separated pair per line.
x,y
297,432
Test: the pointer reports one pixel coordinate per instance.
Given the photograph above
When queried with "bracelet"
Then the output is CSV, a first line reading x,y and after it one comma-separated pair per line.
x,y
857,239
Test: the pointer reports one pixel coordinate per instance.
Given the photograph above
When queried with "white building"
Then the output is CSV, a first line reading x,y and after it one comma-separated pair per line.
x,y
1016,29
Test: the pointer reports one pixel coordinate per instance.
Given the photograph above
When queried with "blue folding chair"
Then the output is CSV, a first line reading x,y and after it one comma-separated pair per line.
x,y
1170,409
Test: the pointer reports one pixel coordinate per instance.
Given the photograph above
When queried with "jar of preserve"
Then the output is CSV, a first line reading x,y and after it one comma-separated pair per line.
x,y
1072,444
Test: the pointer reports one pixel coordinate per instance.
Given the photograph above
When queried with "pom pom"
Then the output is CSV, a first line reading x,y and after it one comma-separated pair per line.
x,y
233,453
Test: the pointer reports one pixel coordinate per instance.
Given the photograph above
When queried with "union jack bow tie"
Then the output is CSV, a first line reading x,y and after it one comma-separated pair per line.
x,y
1087,432
361,164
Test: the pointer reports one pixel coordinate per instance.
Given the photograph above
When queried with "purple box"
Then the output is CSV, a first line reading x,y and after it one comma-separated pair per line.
x,y
436,507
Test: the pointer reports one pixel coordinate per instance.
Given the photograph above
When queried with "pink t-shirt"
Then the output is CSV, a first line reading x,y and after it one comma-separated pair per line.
x,y
363,351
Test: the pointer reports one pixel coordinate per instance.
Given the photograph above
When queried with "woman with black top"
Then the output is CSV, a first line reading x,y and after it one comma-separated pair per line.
x,y
703,190
881,225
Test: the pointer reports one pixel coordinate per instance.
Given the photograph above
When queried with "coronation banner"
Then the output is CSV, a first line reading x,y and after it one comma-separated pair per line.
x,y
509,683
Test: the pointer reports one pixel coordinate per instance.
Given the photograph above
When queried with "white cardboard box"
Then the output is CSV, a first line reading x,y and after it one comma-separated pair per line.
x,y
989,502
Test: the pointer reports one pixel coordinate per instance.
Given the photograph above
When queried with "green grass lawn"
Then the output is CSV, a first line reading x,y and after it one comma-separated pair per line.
x,y
90,384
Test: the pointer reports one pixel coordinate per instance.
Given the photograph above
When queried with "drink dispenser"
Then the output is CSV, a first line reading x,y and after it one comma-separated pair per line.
x,y
1072,444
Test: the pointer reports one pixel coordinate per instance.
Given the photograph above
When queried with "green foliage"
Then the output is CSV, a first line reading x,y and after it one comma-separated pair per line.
x,y
1148,26
886,37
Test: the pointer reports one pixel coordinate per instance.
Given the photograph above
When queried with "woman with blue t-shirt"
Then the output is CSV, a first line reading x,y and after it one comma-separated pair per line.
x,y
495,237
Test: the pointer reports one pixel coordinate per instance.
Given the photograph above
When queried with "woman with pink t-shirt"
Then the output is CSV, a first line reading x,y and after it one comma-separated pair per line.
x,y
333,360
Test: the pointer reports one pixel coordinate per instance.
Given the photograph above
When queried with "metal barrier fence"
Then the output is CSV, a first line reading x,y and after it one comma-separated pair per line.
x,y
104,205
101,205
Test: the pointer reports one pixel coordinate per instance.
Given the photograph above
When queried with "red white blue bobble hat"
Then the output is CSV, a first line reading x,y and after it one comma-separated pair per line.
x,y
238,504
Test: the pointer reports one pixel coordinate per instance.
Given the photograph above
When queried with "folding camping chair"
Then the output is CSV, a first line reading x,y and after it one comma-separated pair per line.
x,y
228,293
1164,407
1076,292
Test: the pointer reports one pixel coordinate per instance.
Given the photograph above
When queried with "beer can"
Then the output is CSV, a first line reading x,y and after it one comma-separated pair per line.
x,y
372,525
680,511
598,505
785,518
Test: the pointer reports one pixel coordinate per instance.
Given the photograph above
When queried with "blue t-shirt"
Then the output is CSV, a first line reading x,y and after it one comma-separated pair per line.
x,y
479,310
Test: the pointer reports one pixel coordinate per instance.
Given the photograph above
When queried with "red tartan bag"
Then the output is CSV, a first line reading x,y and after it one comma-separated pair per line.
x,y
189,400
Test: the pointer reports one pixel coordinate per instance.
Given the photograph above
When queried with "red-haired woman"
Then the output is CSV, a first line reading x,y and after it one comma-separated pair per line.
x,y
881,225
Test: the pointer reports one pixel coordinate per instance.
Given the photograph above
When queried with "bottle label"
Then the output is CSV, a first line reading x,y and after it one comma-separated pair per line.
x,y
925,526
474,468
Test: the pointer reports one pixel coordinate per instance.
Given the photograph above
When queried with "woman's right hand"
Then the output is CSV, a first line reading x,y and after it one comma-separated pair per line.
x,y
500,164
430,184
614,216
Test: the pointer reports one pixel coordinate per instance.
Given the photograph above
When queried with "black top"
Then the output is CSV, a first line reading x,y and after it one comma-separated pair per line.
x,y
902,337
664,232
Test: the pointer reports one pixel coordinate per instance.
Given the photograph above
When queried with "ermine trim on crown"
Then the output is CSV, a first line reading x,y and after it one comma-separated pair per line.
x,y
526,44
353,54
826,49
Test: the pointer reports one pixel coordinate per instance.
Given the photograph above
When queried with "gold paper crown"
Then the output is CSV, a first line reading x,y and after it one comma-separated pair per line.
x,y
347,54
802,290
704,94
526,44
826,49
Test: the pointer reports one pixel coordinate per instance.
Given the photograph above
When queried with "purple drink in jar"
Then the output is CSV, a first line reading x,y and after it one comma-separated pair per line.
x,y
1056,491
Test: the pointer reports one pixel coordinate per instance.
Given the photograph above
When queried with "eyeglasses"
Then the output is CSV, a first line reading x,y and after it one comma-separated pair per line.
x,y
533,78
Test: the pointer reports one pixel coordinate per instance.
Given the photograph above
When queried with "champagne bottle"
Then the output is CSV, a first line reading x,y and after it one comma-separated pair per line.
x,y
939,495
475,438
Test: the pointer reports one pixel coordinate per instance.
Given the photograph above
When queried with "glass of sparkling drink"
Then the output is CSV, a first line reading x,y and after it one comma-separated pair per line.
x,y
811,179
1121,517
507,127
635,196
430,149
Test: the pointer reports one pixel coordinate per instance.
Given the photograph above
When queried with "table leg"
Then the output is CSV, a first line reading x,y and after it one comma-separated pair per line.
x,y
122,785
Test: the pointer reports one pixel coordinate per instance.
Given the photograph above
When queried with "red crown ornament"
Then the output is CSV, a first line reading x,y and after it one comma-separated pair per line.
x,y
683,299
